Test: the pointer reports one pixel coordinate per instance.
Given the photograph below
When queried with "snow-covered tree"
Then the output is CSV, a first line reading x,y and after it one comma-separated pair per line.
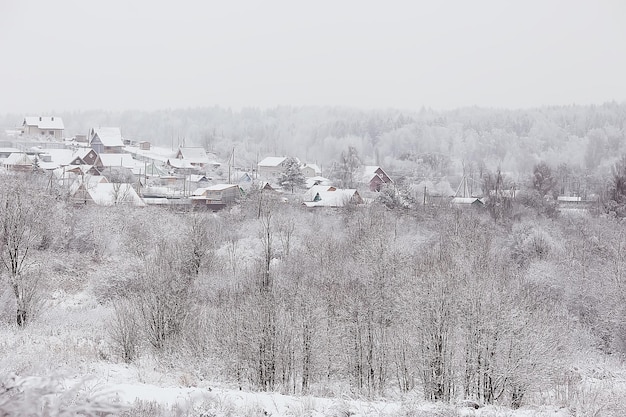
x,y
543,180
292,177
347,168
21,233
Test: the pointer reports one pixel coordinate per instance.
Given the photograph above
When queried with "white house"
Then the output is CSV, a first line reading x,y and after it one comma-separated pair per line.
x,y
271,166
43,126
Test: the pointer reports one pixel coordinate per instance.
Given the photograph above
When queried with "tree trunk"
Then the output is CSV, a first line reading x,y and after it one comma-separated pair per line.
x,y
21,317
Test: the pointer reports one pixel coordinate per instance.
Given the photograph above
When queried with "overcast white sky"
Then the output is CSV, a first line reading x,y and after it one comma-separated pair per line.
x,y
150,54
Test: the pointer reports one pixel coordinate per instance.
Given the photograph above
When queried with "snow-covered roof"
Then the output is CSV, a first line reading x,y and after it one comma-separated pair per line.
x,y
221,187
199,192
336,198
90,181
217,187
193,155
369,172
44,122
82,152
18,159
311,192
179,163
272,161
104,194
569,199
117,160
61,156
48,166
109,136
9,150
196,178
312,181
155,153
466,200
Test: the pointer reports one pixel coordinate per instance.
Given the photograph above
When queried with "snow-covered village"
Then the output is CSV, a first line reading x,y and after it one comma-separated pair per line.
x,y
290,209
104,169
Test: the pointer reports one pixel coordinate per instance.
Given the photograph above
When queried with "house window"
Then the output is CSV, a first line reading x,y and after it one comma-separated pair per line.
x,y
51,133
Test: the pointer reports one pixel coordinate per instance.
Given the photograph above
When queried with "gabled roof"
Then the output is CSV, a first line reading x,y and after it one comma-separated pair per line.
x,y
266,186
104,194
109,136
179,163
80,169
371,171
193,155
18,159
44,122
247,178
272,161
311,192
89,181
83,152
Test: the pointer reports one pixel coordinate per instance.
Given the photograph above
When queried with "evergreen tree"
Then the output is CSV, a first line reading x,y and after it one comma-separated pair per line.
x,y
543,179
292,177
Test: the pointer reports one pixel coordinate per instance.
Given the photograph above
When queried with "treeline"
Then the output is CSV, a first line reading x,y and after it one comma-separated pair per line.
x,y
414,144
269,296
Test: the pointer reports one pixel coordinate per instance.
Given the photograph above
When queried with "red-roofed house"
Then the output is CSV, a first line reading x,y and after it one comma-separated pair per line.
x,y
374,177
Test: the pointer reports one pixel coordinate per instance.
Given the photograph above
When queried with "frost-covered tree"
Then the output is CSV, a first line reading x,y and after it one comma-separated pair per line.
x,y
21,233
347,168
543,180
292,177
617,189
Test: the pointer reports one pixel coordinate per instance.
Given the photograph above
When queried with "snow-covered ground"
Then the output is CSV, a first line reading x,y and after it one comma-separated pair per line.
x,y
65,348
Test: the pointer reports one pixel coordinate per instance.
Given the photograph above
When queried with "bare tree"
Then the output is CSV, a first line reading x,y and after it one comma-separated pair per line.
x,y
164,296
21,235
125,329
267,307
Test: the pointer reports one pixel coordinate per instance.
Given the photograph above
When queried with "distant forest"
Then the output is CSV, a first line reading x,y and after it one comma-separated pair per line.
x,y
575,141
